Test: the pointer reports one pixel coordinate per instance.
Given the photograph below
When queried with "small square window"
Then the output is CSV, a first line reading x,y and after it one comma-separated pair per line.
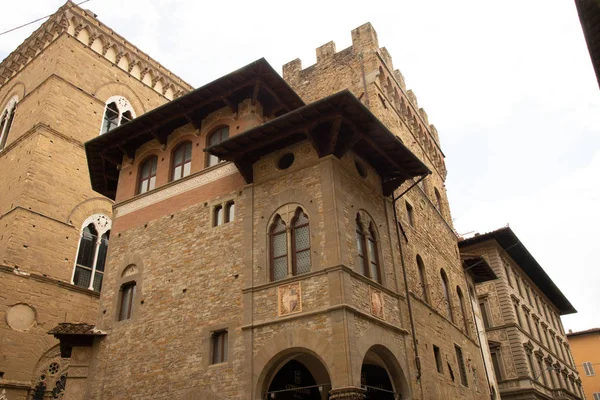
x,y
219,347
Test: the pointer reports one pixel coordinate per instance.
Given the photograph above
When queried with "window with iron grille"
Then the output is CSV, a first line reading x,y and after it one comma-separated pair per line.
x,y
461,366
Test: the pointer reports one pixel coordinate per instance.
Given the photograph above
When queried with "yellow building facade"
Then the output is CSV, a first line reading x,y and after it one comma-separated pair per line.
x,y
585,346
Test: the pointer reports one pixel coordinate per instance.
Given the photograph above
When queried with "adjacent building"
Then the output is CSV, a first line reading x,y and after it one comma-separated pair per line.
x,y
70,81
585,346
521,313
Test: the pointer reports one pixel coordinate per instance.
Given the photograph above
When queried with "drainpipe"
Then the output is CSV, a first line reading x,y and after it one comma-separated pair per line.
x,y
408,301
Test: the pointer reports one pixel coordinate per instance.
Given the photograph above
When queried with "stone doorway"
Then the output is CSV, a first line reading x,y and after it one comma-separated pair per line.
x,y
299,377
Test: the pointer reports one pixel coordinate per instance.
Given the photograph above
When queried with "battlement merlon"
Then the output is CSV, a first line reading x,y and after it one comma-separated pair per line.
x,y
379,70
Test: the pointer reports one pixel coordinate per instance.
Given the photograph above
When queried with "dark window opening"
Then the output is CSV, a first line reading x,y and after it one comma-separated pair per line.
x,y
127,296
438,359
219,347
286,161
111,117
410,215
461,366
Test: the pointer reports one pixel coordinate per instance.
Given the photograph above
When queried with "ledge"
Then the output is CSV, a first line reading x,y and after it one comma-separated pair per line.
x,y
325,311
45,279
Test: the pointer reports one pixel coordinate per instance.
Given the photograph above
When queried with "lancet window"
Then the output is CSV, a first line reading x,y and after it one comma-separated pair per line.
x,y
117,111
289,237
90,261
6,119
367,248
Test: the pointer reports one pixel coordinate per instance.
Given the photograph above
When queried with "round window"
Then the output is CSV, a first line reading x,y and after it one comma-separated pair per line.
x,y
362,171
53,368
286,161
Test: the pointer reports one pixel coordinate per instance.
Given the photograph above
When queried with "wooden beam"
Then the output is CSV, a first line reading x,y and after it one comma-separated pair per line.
x,y
128,152
231,104
255,92
244,165
193,121
348,144
333,134
110,159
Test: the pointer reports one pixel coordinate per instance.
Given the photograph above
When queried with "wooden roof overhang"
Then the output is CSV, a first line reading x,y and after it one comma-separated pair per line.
x,y
257,81
334,125
589,16
478,268
511,244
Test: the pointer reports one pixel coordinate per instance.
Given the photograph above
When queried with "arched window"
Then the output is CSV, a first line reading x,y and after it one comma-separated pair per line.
x,y
218,136
422,281
360,245
279,253
147,175
117,111
366,244
289,257
182,161
6,119
446,293
91,253
373,256
300,243
438,199
218,215
463,311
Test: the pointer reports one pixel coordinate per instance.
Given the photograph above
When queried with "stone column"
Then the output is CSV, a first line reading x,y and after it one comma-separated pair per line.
x,y
347,393
76,387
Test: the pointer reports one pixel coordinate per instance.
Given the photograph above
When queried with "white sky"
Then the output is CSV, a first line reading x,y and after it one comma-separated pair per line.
x,y
509,85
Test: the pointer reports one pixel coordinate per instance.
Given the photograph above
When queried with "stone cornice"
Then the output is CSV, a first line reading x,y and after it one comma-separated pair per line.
x,y
86,28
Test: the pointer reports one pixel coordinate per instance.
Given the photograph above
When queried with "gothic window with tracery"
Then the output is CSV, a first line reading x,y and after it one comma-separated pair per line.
x,y
91,253
117,111
289,243
367,248
218,136
182,161
6,120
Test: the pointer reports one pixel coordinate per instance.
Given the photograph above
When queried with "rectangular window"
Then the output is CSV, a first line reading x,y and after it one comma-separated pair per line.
x,y
461,366
596,396
438,359
219,347
127,295
518,315
496,363
410,214
589,368
484,313
530,362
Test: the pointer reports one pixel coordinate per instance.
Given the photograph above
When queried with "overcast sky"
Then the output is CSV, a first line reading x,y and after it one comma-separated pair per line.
x,y
509,85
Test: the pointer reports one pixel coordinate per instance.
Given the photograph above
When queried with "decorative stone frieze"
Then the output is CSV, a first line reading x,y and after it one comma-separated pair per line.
x,y
83,26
